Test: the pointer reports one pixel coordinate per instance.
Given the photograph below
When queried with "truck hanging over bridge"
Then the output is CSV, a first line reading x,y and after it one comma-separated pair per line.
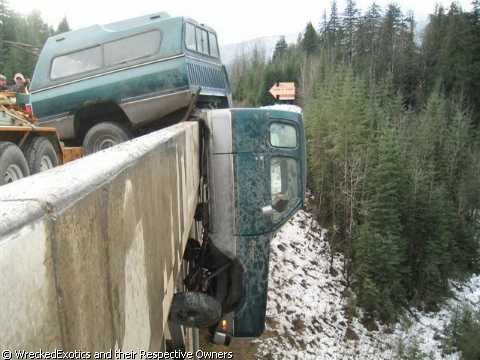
x,y
211,191
136,244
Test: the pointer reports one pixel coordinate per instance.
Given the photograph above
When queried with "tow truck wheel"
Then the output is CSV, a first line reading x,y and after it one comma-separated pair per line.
x,y
13,165
105,135
40,155
195,309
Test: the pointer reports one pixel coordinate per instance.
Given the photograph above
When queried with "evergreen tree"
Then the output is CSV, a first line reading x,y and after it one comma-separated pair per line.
x,y
333,33
23,37
63,26
390,50
380,246
350,26
310,40
451,48
368,44
281,48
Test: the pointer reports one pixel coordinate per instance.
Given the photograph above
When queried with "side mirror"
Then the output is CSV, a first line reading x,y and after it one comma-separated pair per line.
x,y
280,204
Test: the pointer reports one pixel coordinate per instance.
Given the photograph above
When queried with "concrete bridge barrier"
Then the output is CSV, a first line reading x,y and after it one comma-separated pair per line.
x,y
90,251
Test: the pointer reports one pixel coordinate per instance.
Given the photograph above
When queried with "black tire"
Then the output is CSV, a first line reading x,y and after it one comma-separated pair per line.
x,y
13,165
105,135
195,309
40,154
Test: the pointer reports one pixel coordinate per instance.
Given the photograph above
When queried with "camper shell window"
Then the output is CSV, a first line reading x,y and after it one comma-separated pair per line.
x,y
114,52
201,40
212,40
77,62
132,48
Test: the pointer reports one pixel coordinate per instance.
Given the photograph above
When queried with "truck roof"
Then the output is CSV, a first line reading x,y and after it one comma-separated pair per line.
x,y
98,33
94,35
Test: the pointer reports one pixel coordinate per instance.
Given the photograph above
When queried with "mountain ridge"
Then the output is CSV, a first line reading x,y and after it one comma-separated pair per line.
x,y
266,45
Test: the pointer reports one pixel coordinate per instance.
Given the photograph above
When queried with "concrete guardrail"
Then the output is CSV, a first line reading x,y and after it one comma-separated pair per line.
x,y
90,251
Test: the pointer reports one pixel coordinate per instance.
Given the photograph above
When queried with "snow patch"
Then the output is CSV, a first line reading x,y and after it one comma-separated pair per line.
x,y
306,317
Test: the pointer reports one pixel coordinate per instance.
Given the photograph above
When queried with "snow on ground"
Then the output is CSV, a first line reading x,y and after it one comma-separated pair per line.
x,y
306,308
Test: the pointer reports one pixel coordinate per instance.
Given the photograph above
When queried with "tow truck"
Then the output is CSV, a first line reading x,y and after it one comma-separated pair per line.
x,y
25,148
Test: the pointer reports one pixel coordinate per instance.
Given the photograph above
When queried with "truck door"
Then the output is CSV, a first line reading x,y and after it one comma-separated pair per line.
x,y
270,189
269,169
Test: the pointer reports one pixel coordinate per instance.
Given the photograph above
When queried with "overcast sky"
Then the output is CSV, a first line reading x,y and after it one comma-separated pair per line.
x,y
234,22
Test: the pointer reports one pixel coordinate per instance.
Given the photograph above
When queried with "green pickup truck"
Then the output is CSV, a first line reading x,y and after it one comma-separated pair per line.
x,y
102,85
256,180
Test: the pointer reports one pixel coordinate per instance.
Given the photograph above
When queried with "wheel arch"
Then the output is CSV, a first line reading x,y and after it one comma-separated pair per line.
x,y
91,114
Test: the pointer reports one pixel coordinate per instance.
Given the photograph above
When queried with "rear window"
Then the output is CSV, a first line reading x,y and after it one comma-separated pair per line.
x,y
201,40
115,52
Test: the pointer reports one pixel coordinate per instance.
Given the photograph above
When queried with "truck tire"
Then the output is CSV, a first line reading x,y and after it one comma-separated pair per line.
x,y
195,309
105,135
40,154
13,165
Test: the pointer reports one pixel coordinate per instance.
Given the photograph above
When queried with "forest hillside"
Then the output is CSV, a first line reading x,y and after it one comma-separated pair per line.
x,y
392,122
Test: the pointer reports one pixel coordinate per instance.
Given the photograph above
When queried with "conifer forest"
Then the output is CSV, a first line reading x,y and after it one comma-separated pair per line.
x,y
393,123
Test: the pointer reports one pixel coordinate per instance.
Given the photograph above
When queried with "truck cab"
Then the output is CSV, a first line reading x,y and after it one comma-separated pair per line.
x,y
256,182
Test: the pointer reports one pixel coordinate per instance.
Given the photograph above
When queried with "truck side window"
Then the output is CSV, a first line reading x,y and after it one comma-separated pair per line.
x,y
284,175
77,62
132,47
283,135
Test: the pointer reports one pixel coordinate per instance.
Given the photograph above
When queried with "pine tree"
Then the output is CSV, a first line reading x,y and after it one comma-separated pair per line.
x,y
368,44
63,26
310,40
280,52
350,25
380,245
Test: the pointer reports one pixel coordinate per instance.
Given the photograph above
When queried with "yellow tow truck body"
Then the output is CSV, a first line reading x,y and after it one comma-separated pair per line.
x,y
26,149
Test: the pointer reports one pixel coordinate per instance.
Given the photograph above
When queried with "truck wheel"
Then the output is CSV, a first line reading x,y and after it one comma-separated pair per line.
x,y
105,135
40,154
13,165
195,309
